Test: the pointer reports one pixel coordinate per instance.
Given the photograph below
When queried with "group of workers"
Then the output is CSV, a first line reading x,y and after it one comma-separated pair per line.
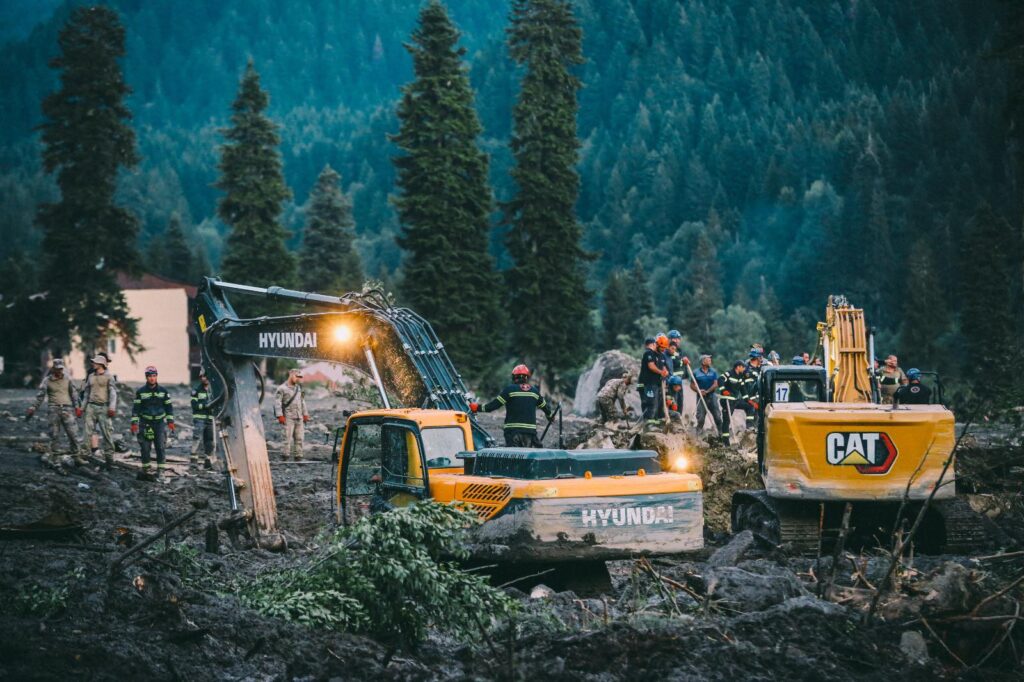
x,y
152,416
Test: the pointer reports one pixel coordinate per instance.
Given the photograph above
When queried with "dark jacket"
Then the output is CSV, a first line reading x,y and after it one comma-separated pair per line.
x,y
914,393
200,400
152,404
521,402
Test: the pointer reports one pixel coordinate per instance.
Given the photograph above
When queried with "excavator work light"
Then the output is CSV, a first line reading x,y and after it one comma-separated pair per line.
x,y
342,333
680,463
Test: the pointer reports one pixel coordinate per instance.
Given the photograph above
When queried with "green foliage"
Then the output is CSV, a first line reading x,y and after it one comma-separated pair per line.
x,y
733,330
43,601
444,202
389,575
618,316
254,192
87,141
328,262
549,302
703,292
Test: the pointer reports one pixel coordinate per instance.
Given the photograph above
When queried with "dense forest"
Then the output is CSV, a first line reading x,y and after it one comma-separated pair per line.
x,y
739,160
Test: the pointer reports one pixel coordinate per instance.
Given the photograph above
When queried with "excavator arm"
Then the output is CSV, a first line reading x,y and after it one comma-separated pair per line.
x,y
394,346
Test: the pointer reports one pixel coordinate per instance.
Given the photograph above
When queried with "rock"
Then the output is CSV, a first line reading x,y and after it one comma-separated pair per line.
x,y
732,552
755,586
609,365
914,647
542,591
951,590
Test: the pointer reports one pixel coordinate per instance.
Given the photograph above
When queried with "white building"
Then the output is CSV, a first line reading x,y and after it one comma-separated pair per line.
x,y
161,307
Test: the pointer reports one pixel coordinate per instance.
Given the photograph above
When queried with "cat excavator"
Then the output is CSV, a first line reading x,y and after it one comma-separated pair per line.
x,y
823,440
544,504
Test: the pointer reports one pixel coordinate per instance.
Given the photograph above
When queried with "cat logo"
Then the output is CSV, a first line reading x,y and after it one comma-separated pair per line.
x,y
869,453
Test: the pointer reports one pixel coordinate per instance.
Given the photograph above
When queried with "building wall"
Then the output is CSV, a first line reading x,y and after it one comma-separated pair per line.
x,y
163,333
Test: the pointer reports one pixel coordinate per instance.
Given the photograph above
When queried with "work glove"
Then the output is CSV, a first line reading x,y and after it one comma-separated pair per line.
x,y
726,393
754,404
135,428
686,361
78,411
474,407
282,419
171,426
111,413
305,418
664,372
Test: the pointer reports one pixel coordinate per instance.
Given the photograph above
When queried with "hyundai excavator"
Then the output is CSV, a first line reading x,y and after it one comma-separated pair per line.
x,y
823,440
533,504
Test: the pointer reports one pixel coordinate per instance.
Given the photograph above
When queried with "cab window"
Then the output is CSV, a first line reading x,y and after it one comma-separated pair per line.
x,y
400,457
440,445
363,458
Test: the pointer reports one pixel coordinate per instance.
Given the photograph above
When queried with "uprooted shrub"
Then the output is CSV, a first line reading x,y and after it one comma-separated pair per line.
x,y
391,575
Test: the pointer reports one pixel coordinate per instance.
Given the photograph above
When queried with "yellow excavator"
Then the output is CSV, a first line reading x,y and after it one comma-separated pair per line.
x,y
823,440
535,504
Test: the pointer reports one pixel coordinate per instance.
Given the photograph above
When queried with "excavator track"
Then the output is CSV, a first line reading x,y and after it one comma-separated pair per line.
x,y
965,529
778,523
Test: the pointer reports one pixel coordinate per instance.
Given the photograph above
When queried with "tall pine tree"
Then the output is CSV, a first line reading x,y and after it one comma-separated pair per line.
x,y
86,140
445,203
177,254
549,299
704,292
987,315
254,187
328,262
618,314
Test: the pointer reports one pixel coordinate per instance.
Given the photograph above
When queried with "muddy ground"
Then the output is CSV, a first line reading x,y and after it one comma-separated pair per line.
x,y
734,610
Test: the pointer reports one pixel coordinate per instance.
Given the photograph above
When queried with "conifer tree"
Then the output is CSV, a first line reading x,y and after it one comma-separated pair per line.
x,y
178,257
328,262
704,292
987,316
254,187
925,317
86,140
445,202
618,316
549,299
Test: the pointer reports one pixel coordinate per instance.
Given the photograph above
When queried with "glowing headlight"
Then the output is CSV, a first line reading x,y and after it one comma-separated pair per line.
x,y
680,463
342,333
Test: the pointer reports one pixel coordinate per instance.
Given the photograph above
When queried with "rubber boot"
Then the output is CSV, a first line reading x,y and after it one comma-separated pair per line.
x,y
146,474
193,463
207,464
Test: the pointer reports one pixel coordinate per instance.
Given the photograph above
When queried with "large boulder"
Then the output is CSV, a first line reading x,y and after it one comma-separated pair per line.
x,y
609,365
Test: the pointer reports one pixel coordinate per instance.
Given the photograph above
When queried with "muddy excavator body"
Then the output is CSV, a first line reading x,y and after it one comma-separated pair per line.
x,y
823,442
534,505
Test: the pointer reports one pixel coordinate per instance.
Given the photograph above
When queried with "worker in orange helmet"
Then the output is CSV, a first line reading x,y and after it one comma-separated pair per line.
x,y
521,401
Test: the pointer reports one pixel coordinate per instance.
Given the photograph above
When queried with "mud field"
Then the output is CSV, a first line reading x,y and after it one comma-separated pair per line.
x,y
78,604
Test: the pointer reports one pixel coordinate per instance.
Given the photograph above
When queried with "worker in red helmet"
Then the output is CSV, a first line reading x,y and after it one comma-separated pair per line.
x,y
521,401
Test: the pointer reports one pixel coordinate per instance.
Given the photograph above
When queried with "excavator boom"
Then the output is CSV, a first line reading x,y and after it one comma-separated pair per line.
x,y
395,346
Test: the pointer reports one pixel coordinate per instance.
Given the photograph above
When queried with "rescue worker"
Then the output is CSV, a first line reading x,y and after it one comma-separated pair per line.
x,y
890,378
679,361
290,410
798,360
705,384
152,415
202,423
675,395
774,358
612,393
755,362
521,401
100,396
653,370
732,392
62,399
914,392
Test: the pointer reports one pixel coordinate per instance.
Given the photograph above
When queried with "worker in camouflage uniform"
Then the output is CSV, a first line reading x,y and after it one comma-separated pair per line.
x,y
612,393
202,423
60,395
152,411
290,410
100,396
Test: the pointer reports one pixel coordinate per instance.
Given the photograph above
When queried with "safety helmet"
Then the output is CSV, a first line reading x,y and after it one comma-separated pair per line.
x,y
649,340
520,371
57,364
773,356
756,352
798,359
151,371
739,363
662,341
913,373
675,380
674,334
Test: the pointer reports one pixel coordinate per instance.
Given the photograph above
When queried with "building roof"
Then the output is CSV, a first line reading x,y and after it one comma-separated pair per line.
x,y
151,281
